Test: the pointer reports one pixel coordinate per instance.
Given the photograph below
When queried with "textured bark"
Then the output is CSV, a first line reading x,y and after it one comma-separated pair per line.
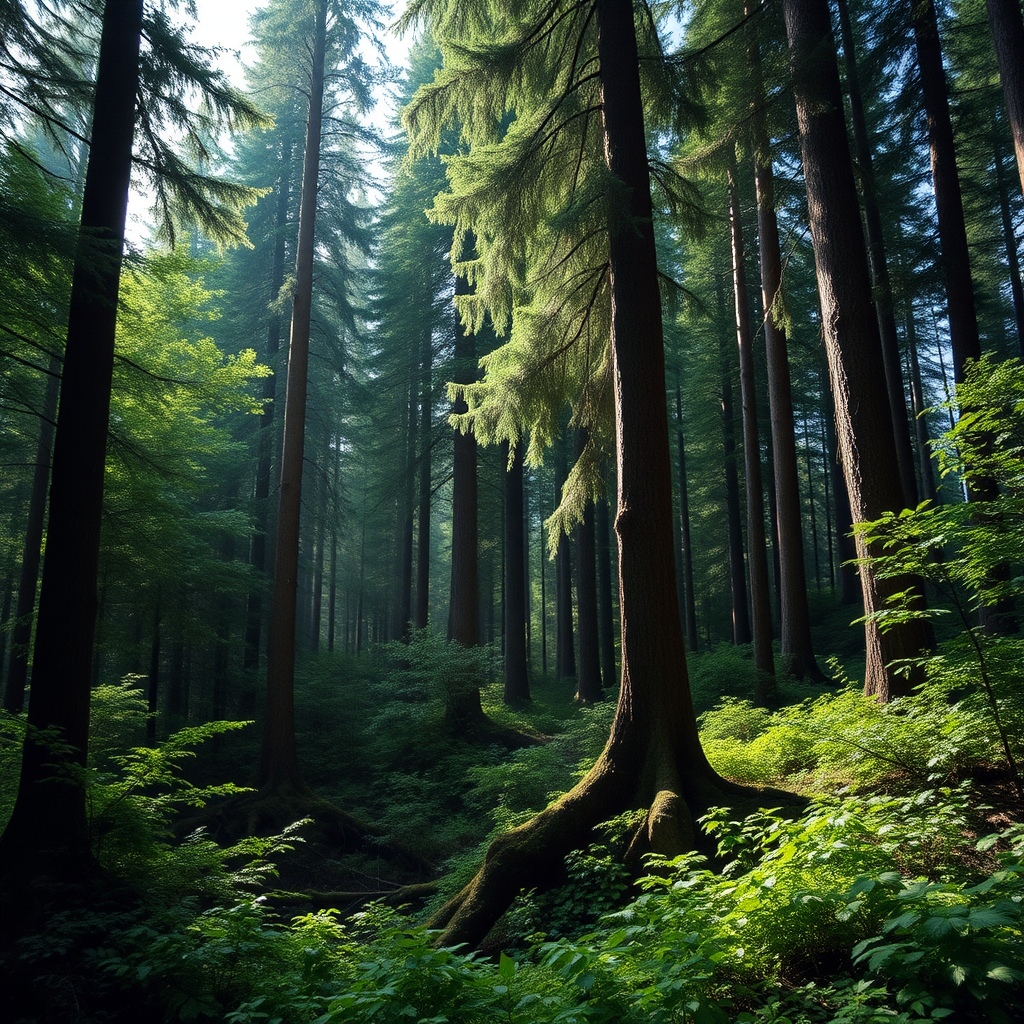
x,y
517,681
757,555
1007,24
653,757
854,348
279,766
881,285
48,828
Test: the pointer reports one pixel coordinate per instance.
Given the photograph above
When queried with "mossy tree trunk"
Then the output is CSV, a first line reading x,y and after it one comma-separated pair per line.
x,y
653,758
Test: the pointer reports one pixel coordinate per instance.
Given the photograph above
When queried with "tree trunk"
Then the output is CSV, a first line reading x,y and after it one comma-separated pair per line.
x,y
927,488
757,555
464,603
265,440
1010,244
1007,24
686,544
741,633
403,617
588,675
517,681
653,757
604,592
48,829
852,341
881,285
279,766
422,603
963,321
796,649
21,635
565,652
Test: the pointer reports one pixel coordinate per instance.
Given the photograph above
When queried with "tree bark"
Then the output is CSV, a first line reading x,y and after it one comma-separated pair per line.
x,y
517,681
854,348
588,675
1007,24
881,285
685,542
796,648
279,766
422,602
266,436
604,591
48,829
741,633
653,757
757,555
565,652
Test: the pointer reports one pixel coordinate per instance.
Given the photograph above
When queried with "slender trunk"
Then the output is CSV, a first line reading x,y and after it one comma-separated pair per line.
x,y
757,555
686,543
565,654
1010,244
810,503
737,569
796,648
963,321
279,766
21,635
542,554
604,593
928,489
422,605
265,441
403,617
1007,24
588,676
153,679
517,682
852,341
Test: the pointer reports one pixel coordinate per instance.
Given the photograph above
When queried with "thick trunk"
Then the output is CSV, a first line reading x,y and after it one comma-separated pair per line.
x,y
48,827
1007,24
882,288
757,555
279,766
852,341
517,682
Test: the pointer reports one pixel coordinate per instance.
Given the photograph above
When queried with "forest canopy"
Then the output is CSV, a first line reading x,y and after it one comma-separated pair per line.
x,y
526,525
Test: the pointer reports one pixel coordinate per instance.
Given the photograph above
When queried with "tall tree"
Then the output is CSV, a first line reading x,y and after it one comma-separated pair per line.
x,y
866,441
517,682
653,757
1007,24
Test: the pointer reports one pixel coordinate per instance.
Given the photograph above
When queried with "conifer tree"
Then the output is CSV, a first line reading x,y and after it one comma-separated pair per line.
x,y
537,195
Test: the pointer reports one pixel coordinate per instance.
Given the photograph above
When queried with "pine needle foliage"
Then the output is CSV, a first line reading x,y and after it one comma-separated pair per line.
x,y
532,203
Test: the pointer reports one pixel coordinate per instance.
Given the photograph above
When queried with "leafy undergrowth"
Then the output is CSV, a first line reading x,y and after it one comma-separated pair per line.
x,y
896,896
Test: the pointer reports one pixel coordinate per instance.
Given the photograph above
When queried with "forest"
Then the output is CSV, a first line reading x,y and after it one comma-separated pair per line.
x,y
525,531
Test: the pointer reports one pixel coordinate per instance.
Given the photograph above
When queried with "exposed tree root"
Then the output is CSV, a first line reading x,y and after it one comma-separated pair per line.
x,y
532,856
